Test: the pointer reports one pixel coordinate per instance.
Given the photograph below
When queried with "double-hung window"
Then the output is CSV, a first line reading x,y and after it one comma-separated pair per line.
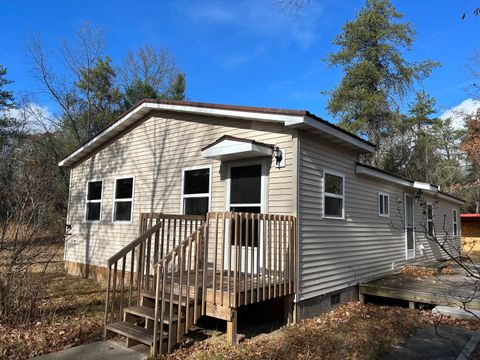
x,y
196,191
123,199
383,204
455,222
430,224
93,207
334,195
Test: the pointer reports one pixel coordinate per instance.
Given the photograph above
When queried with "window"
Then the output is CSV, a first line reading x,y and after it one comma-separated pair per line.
x,y
334,196
383,204
123,200
430,225
196,191
455,222
94,201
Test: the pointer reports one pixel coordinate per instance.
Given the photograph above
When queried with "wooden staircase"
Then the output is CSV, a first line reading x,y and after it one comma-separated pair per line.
x,y
182,267
138,321
161,298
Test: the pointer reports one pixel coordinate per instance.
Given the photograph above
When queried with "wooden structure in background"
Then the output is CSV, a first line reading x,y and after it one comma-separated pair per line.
x,y
441,289
470,232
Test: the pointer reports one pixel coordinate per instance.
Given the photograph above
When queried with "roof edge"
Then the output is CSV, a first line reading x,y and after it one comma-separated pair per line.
x,y
285,116
388,176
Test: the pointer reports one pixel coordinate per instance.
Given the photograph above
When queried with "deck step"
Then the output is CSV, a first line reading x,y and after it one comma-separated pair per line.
x,y
149,313
145,336
183,299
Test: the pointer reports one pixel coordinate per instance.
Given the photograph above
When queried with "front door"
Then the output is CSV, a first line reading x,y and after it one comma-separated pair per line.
x,y
409,227
246,188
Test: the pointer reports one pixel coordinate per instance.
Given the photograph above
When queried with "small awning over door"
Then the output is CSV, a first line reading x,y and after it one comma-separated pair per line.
x,y
233,148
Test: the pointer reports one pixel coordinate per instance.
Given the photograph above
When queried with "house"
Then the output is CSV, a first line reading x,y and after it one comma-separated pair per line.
x,y
470,225
192,209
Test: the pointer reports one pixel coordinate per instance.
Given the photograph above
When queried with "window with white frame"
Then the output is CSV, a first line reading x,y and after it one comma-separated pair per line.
x,y
123,200
430,224
93,207
455,222
383,204
196,191
334,195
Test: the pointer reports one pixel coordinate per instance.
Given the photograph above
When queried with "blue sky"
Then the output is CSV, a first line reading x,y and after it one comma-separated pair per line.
x,y
242,52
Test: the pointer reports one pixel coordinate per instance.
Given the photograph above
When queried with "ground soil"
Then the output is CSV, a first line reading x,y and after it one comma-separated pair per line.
x,y
350,331
73,310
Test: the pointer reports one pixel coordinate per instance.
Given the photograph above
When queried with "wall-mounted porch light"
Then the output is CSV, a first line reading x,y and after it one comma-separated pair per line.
x,y
278,155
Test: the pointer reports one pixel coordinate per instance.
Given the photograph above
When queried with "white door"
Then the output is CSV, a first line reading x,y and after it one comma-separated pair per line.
x,y
409,227
245,194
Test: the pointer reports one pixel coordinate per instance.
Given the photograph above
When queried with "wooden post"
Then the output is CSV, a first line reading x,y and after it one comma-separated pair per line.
x,y
361,298
288,309
232,328
129,342
295,315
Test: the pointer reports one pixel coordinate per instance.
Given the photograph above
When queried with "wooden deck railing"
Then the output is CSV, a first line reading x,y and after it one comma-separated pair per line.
x,y
131,269
179,280
229,259
251,257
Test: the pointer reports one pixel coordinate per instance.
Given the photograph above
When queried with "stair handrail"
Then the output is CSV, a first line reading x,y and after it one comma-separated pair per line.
x,y
117,256
161,283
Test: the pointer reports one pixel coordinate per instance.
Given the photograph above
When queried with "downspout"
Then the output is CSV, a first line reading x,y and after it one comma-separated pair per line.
x,y
296,204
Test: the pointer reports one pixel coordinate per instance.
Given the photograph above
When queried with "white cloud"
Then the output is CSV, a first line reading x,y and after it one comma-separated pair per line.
x,y
36,117
305,95
458,112
236,59
209,12
260,18
232,61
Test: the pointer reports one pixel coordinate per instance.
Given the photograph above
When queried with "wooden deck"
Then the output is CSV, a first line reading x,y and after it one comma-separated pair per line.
x,y
173,273
264,287
440,289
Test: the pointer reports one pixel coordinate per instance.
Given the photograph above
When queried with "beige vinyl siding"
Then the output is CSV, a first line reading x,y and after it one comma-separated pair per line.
x,y
443,222
155,152
335,254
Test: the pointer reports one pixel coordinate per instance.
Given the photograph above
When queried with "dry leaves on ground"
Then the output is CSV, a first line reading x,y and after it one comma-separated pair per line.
x,y
72,315
351,331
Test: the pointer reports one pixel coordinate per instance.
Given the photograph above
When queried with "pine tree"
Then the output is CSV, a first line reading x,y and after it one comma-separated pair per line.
x,y
6,104
376,76
176,91
138,91
101,98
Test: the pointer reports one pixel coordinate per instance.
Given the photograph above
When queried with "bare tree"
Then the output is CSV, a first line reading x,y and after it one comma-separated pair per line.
x,y
28,222
84,88
297,5
444,237
56,86
154,67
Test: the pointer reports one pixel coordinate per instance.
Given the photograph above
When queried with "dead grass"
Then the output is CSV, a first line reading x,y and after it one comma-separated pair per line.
x,y
72,315
351,331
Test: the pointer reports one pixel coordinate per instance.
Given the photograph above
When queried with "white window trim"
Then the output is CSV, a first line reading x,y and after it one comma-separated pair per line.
x,y
123,200
405,195
380,194
199,195
430,220
325,194
93,201
455,223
